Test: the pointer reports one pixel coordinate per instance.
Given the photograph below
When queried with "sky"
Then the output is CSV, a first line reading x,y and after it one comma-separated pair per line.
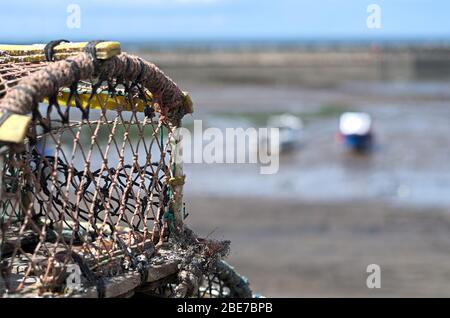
x,y
190,20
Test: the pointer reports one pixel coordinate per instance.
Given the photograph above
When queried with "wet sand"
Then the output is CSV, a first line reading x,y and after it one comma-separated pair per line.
x,y
288,248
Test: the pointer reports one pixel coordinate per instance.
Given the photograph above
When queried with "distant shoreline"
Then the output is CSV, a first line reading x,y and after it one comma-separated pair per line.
x,y
303,65
286,44
213,44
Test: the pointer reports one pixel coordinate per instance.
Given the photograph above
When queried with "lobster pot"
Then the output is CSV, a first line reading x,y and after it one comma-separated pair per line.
x,y
91,190
90,184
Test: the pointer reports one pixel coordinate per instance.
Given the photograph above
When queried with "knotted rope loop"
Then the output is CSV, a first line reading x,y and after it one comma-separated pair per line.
x,y
49,49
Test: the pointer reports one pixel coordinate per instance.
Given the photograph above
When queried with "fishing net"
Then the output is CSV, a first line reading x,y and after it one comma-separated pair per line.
x,y
91,198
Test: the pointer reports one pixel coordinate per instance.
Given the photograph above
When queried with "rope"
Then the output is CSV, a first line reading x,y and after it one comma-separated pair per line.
x,y
24,97
49,49
92,52
40,166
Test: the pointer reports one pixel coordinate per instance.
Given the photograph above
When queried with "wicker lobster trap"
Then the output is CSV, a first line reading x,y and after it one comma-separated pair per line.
x,y
91,188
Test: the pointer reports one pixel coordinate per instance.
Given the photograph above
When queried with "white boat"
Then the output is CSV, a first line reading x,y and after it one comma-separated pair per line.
x,y
289,126
355,130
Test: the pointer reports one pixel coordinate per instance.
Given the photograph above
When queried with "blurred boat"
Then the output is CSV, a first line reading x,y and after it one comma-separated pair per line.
x,y
355,131
289,126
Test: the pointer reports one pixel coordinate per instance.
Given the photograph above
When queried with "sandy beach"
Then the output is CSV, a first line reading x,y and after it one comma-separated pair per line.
x,y
292,249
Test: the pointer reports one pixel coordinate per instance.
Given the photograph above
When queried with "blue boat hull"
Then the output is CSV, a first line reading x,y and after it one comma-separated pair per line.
x,y
358,142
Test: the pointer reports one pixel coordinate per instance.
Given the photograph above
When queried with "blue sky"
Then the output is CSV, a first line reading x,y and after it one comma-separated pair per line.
x,y
146,20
